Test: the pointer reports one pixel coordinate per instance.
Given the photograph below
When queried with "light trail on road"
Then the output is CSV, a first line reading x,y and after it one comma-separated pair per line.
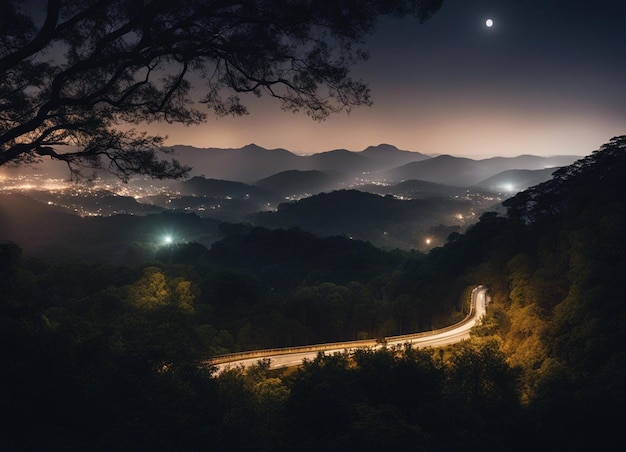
x,y
281,358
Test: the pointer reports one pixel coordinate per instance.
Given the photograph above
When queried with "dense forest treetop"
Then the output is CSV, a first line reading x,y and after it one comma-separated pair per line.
x,y
76,76
105,357
598,176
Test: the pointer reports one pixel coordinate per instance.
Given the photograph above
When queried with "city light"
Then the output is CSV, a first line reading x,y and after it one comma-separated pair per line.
x,y
508,187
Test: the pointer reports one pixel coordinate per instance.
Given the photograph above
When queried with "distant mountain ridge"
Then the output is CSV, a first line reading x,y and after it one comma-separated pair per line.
x,y
516,180
466,172
253,163
200,186
298,183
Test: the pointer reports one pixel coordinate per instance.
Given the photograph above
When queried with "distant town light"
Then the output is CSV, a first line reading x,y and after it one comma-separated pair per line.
x,y
509,187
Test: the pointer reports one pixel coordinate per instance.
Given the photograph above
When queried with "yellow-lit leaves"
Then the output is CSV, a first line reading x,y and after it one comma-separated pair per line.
x,y
154,290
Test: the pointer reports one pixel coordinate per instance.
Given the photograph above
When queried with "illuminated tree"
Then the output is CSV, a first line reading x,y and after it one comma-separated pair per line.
x,y
182,294
154,290
151,290
77,76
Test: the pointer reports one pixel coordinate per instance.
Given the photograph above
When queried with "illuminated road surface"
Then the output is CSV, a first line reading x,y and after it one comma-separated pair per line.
x,y
437,338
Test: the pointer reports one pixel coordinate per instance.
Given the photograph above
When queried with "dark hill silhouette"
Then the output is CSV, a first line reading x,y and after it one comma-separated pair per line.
x,y
386,156
415,189
338,160
516,180
50,232
246,164
100,202
529,162
443,169
224,200
465,172
218,188
296,182
382,220
557,264
251,163
594,182
285,257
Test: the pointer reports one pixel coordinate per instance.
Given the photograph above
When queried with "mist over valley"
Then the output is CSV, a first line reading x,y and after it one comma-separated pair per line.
x,y
389,197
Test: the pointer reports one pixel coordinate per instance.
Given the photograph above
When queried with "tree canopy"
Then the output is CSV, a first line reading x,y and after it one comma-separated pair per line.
x,y
105,357
77,77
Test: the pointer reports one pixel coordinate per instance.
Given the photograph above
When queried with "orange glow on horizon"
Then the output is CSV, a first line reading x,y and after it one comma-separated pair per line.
x,y
458,133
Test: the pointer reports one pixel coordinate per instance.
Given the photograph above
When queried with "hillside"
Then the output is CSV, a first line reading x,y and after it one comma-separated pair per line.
x,y
385,156
219,188
252,163
465,172
384,221
111,356
513,181
415,189
56,233
246,164
295,183
555,265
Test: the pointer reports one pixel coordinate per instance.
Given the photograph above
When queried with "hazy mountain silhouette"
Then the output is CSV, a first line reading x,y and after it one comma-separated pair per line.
x,y
220,199
415,189
516,180
444,169
275,175
526,161
100,202
382,220
246,164
296,182
387,156
252,163
338,160
465,172
218,188
49,231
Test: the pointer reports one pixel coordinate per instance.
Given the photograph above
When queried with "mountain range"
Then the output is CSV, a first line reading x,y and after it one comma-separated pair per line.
x,y
252,164
390,197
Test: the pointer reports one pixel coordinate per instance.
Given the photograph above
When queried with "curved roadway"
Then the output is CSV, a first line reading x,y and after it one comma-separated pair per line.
x,y
294,356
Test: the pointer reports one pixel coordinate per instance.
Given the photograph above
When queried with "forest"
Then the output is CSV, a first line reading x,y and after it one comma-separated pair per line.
x,y
113,357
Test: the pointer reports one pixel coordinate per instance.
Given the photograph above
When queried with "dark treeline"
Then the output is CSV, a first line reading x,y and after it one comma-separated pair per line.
x,y
103,357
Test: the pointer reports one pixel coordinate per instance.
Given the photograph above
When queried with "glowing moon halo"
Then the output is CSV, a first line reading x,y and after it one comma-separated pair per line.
x,y
489,23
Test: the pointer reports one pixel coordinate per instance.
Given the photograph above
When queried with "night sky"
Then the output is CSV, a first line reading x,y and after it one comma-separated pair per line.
x,y
548,78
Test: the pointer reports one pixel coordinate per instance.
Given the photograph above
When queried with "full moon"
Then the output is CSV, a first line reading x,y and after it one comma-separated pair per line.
x,y
489,23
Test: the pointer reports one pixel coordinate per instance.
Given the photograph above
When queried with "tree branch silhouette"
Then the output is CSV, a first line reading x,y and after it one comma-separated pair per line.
x,y
77,79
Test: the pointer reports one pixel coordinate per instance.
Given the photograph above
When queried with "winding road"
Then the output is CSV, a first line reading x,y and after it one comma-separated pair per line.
x,y
293,356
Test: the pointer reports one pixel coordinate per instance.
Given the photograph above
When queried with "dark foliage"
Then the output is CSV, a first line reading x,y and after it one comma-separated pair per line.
x,y
99,357
384,221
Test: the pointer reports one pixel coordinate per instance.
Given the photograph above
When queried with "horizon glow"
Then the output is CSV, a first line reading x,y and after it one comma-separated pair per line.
x,y
447,87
